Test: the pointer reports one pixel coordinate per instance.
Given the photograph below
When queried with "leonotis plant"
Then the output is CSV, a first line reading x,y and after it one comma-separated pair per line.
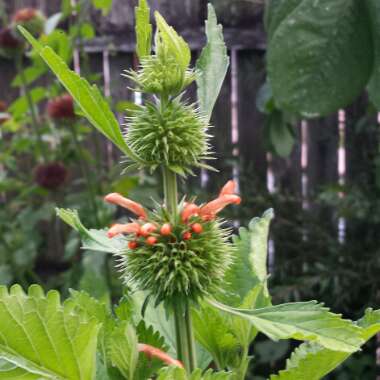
x,y
196,297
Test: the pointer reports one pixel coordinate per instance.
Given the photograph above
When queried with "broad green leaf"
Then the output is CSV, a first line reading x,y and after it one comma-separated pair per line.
x,y
212,65
276,11
176,373
374,83
143,29
89,98
302,321
93,240
42,339
250,266
312,361
168,41
213,332
280,134
320,57
122,349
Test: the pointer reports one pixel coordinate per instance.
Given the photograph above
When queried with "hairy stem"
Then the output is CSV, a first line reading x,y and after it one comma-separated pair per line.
x,y
32,110
182,313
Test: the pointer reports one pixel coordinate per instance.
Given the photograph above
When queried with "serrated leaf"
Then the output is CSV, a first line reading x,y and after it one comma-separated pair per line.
x,y
213,332
93,240
301,321
176,373
250,265
88,97
211,66
40,338
313,362
320,57
122,349
143,29
169,41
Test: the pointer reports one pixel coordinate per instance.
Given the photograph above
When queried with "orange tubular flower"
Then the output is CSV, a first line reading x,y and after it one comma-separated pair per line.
x,y
153,352
129,228
119,200
226,197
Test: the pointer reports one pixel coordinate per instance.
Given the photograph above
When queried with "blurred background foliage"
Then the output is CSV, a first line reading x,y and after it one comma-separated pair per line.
x,y
50,157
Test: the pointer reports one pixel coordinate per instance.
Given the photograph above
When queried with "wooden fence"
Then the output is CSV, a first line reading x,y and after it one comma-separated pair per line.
x,y
325,151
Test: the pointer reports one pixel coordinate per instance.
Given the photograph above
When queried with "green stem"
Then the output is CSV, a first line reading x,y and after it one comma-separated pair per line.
x,y
182,312
32,110
85,173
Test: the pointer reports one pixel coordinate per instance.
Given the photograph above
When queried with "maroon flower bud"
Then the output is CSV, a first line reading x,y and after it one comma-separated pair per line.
x,y
3,108
31,19
61,107
8,40
51,176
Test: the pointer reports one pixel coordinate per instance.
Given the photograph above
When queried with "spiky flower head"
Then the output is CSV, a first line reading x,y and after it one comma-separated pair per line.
x,y
178,258
172,134
160,75
31,19
61,107
166,72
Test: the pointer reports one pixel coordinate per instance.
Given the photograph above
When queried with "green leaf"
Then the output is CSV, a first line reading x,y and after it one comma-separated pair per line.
x,y
320,57
302,321
87,31
89,99
276,11
143,29
176,373
20,106
122,349
212,65
374,83
31,74
250,266
168,41
312,361
104,5
40,338
93,240
280,134
213,332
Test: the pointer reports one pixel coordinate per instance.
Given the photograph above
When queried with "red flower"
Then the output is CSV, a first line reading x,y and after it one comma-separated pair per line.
x,y
51,176
119,200
25,14
61,107
8,40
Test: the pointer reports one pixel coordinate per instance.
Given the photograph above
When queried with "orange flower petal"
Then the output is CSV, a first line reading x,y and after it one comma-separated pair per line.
x,y
147,228
229,188
119,200
153,352
189,210
209,210
118,229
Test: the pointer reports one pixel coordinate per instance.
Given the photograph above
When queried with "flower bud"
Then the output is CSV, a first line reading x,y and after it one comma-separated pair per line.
x,y
31,19
51,176
197,228
166,229
61,107
147,228
9,43
132,244
151,240
186,235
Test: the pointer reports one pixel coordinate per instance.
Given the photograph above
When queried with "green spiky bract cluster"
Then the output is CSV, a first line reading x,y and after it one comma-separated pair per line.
x,y
176,267
160,75
169,133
